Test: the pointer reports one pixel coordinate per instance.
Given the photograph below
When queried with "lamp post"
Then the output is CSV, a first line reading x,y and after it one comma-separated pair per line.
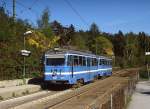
x,y
147,66
25,53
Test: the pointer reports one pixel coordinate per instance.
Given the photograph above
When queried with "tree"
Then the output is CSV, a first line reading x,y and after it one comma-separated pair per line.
x,y
93,33
94,30
131,49
65,33
104,46
142,42
44,23
78,41
119,44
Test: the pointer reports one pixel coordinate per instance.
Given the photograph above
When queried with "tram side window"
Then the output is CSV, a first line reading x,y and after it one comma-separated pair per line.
x,y
105,62
76,61
70,59
111,62
94,62
88,62
83,61
80,60
100,61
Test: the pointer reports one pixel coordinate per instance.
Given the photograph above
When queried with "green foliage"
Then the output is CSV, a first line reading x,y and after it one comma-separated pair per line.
x,y
143,73
36,74
103,45
79,42
93,33
5,24
119,44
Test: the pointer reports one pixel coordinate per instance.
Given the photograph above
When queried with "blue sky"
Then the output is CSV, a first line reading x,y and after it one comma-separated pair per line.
x,y
110,15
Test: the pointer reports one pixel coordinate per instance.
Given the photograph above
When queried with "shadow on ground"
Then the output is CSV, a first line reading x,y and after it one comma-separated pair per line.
x,y
49,86
146,93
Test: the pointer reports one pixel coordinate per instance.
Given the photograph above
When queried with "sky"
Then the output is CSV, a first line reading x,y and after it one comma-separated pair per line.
x,y
110,15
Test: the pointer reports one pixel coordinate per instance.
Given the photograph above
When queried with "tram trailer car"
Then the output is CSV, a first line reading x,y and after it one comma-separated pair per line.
x,y
69,66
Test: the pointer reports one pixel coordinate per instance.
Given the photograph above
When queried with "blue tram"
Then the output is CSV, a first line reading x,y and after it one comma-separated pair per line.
x,y
69,66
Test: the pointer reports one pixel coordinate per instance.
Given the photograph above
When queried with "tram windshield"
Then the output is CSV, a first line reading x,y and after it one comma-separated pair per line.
x,y
55,61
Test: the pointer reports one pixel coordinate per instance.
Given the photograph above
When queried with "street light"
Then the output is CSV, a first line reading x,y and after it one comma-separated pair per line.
x,y
147,54
25,53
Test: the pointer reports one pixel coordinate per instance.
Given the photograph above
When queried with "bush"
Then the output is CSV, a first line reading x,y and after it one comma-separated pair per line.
x,y
143,73
35,74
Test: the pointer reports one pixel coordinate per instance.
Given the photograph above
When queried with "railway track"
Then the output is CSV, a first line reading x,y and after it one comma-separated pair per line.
x,y
83,99
73,99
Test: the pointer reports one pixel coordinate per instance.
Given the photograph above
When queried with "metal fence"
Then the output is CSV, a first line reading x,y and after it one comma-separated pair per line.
x,y
117,98
16,72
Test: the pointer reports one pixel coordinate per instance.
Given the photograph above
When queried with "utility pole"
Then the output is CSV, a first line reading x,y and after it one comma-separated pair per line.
x,y
14,16
96,44
14,10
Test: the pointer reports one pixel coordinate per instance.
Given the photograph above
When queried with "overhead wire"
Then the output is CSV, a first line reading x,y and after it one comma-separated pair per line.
x,y
77,13
33,4
27,8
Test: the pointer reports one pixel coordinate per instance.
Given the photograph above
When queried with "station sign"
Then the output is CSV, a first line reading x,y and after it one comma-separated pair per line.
x,y
25,53
147,53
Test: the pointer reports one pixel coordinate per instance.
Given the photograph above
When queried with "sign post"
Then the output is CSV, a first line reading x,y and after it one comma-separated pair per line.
x,y
25,53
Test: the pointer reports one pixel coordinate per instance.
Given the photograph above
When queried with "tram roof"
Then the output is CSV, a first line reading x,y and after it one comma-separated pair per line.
x,y
75,52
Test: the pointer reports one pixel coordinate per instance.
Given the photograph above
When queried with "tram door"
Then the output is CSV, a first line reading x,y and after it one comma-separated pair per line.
x,y
88,67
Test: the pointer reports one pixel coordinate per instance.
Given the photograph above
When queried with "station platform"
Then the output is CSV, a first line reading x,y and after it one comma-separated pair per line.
x,y
16,91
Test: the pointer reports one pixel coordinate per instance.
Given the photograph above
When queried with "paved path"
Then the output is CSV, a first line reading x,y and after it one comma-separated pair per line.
x,y
141,97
